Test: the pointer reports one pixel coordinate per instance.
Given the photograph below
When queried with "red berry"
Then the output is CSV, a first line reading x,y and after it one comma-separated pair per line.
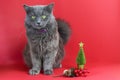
x,y
83,72
75,71
80,72
77,75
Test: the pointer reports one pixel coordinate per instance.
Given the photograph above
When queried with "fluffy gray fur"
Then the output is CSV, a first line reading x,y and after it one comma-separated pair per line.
x,y
44,50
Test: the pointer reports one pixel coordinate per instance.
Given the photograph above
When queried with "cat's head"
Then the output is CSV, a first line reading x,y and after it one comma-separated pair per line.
x,y
38,16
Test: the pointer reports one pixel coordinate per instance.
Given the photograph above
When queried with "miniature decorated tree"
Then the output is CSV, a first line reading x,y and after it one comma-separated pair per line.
x,y
79,71
81,61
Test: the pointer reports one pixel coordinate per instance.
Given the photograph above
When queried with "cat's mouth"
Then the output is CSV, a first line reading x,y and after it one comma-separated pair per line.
x,y
37,27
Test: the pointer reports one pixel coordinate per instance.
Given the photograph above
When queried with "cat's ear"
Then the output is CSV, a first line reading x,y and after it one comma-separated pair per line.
x,y
26,7
49,7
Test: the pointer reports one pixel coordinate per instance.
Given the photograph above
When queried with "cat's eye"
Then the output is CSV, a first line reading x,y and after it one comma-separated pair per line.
x,y
33,17
43,16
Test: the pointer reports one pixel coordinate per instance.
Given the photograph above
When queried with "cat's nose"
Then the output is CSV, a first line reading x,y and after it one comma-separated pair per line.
x,y
38,23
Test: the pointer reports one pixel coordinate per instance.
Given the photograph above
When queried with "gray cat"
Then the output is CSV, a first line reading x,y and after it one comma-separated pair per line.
x,y
46,38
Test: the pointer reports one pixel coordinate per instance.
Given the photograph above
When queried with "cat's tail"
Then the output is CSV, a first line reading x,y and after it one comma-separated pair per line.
x,y
64,30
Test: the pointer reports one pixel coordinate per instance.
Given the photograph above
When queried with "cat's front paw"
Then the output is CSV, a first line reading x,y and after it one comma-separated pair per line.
x,y
48,72
34,71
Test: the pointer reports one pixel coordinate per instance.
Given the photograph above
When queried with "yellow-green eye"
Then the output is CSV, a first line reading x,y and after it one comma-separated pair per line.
x,y
43,16
33,17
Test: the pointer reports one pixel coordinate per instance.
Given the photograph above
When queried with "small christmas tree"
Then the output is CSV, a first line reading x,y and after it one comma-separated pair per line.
x,y
81,61
79,71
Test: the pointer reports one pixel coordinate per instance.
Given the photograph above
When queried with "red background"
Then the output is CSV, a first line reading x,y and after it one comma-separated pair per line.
x,y
94,22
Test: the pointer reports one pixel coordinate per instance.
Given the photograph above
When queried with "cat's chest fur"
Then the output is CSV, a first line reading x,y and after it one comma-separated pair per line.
x,y
43,41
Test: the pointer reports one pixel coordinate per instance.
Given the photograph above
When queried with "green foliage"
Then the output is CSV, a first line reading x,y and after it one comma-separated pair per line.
x,y
81,57
81,61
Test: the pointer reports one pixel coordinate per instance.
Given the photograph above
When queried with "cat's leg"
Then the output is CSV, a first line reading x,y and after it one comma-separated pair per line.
x,y
26,56
27,59
59,56
57,63
36,62
48,61
58,59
